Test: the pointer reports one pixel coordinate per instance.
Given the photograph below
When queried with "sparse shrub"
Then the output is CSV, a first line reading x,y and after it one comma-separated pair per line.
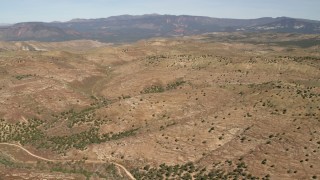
x,y
153,89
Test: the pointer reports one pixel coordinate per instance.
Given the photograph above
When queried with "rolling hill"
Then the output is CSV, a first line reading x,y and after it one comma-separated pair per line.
x,y
212,106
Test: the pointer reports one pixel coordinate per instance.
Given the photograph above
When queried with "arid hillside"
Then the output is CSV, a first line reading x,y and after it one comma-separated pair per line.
x,y
215,106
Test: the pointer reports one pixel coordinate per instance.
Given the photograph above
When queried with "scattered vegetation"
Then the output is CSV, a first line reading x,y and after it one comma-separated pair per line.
x,y
89,171
153,89
226,170
20,77
160,88
175,84
31,133
251,97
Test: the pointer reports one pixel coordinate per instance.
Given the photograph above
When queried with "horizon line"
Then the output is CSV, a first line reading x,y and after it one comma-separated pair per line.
x,y
149,14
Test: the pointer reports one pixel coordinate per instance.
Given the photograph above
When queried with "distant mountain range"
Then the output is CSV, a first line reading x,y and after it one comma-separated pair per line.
x,y
127,28
4,24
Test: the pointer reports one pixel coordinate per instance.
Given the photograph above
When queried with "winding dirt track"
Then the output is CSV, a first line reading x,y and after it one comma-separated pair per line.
x,y
51,160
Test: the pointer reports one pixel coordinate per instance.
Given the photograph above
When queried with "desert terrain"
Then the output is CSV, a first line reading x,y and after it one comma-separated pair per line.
x,y
211,106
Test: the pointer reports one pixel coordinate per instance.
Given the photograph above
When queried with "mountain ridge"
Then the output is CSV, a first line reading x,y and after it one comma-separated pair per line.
x,y
129,28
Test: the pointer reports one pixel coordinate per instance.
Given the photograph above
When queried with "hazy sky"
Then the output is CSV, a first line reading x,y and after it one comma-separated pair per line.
x,y
12,11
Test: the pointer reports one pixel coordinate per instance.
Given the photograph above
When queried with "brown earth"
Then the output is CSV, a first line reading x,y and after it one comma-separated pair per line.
x,y
203,99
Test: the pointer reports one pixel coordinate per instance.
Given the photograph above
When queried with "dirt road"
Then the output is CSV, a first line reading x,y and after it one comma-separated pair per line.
x,y
52,160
